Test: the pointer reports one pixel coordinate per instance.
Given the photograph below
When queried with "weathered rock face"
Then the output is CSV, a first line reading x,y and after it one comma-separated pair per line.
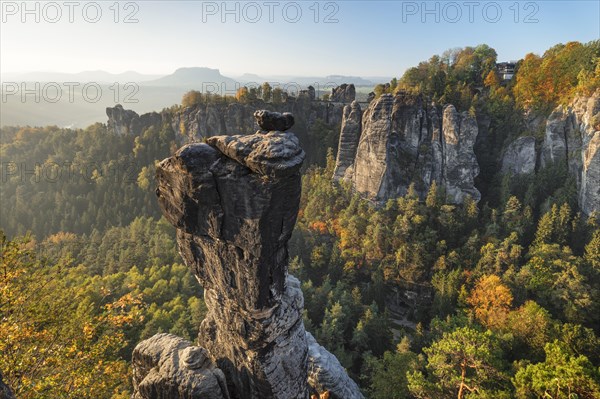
x,y
344,93
572,136
559,130
166,366
589,191
234,202
5,391
128,122
268,120
325,373
193,124
349,137
519,157
460,164
371,163
404,141
312,94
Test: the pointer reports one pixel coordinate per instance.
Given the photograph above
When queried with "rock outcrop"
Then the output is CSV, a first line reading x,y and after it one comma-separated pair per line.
x,y
404,141
325,373
349,137
589,190
127,122
520,156
459,132
195,123
344,93
269,121
166,366
234,201
573,136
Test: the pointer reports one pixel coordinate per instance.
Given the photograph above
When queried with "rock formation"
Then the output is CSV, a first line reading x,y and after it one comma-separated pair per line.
x,y
519,156
128,122
573,136
349,136
166,366
459,131
344,93
325,373
310,93
404,141
195,123
269,121
234,202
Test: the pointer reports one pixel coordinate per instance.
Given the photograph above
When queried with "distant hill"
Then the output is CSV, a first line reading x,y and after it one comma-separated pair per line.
x,y
194,78
148,92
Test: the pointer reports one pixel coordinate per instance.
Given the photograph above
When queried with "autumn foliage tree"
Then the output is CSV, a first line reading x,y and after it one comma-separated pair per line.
x,y
51,345
242,94
555,78
491,301
191,98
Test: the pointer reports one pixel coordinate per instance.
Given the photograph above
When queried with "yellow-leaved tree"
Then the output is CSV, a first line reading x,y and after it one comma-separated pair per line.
x,y
491,301
58,339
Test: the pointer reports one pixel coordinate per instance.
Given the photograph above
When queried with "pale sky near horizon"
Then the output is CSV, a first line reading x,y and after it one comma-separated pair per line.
x,y
305,38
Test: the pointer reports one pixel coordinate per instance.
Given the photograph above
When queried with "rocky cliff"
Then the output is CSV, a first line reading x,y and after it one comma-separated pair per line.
x,y
192,124
344,93
234,202
571,136
349,137
317,122
127,122
519,157
459,164
403,140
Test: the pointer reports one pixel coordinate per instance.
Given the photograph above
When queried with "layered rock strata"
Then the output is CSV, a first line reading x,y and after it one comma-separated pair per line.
x,y
194,123
326,374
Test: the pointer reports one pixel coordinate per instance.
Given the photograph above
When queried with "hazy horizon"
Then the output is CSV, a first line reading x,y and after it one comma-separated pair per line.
x,y
356,38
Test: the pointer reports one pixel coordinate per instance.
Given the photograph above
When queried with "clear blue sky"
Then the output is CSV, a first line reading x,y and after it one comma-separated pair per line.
x,y
365,38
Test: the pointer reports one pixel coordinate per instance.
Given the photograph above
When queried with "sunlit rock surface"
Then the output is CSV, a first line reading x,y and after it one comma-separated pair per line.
x,y
234,201
404,140
572,136
520,156
166,366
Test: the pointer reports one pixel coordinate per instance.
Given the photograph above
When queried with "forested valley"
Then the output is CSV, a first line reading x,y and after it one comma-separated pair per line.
x,y
417,297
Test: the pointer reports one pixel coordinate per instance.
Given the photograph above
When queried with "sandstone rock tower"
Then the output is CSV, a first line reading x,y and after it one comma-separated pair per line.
x,y
234,202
